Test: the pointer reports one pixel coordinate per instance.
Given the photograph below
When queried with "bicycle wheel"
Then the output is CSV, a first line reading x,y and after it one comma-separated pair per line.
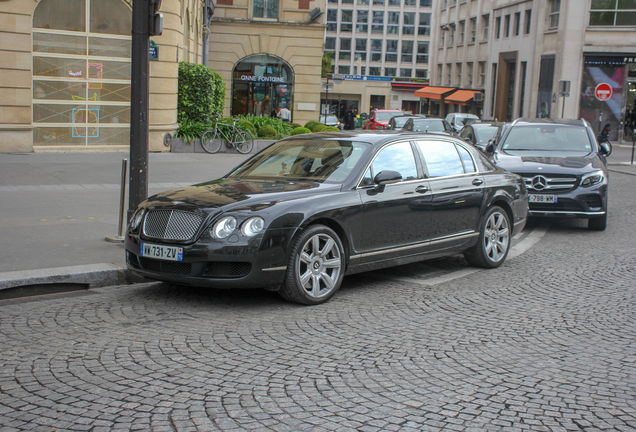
x,y
211,141
243,142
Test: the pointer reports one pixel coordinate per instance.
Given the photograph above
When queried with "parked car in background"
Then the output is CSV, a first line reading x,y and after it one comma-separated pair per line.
x,y
307,210
397,123
458,120
478,134
379,119
331,120
428,124
564,167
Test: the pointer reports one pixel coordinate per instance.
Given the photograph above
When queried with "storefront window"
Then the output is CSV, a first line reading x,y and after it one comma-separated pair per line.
x,y
81,73
265,9
261,84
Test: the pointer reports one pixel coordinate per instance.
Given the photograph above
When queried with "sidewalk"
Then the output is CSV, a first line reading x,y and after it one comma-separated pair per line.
x,y
57,209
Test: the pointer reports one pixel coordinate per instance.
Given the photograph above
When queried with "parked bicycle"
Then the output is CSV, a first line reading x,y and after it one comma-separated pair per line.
x,y
212,139
603,137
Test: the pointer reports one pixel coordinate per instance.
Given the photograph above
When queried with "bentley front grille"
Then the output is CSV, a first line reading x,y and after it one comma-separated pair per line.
x,y
171,224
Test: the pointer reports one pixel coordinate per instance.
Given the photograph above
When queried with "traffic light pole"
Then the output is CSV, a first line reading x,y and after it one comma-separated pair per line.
x,y
139,112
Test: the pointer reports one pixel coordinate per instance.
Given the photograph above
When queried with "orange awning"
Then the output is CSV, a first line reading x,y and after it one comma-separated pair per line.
x,y
460,97
433,92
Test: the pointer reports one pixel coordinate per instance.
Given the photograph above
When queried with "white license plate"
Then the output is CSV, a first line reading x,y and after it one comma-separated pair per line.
x,y
548,199
170,253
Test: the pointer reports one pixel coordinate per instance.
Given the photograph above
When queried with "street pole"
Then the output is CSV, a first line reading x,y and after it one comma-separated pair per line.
x,y
139,111
327,99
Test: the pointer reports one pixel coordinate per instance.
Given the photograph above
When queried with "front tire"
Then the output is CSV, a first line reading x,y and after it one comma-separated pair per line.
x,y
494,240
315,268
243,142
211,141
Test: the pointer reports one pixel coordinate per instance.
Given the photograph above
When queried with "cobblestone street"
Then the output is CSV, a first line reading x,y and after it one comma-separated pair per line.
x,y
547,342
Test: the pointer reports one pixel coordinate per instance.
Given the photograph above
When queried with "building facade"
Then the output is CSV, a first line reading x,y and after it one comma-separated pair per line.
x,y
375,44
520,50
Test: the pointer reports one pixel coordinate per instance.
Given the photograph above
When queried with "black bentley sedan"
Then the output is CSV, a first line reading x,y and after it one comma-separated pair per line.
x,y
565,169
299,215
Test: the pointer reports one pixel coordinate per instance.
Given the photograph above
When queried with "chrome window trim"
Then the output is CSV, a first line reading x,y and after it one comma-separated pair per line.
x,y
359,186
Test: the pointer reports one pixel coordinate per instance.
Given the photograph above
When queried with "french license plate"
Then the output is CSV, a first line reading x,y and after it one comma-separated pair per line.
x,y
546,199
170,253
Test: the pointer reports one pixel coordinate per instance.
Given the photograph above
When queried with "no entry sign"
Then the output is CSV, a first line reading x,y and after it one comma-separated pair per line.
x,y
603,92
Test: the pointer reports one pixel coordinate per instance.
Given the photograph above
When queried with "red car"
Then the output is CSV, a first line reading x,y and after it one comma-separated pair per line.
x,y
380,118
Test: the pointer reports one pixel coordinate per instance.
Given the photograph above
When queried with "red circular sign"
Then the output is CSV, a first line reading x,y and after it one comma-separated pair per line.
x,y
603,92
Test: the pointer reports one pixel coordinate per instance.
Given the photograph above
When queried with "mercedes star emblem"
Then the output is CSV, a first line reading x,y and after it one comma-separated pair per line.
x,y
539,183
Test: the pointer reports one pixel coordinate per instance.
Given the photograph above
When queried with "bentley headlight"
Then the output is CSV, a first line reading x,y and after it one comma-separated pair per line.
x,y
252,226
224,227
592,178
136,219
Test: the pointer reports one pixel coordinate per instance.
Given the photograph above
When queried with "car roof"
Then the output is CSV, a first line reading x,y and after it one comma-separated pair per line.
x,y
566,122
486,123
370,137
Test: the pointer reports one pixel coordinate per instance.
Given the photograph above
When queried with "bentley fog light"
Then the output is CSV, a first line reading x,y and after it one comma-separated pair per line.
x,y
593,178
252,226
224,227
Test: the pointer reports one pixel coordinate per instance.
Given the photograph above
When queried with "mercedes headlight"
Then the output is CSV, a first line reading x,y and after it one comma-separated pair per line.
x,y
224,227
136,219
252,226
592,179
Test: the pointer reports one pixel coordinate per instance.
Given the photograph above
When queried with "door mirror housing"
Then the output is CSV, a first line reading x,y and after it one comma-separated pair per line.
x,y
604,149
384,178
490,148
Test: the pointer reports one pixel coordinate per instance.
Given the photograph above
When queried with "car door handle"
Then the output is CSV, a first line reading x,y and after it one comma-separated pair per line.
x,y
421,189
478,182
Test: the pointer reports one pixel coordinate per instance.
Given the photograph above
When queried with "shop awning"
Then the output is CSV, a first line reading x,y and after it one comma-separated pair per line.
x,y
433,92
460,97
406,86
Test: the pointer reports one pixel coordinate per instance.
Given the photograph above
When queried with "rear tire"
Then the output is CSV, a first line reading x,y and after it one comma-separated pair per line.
x,y
243,142
315,268
494,240
211,141
598,223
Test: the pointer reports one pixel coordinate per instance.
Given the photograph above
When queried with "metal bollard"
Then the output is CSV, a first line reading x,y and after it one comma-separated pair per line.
x,y
120,237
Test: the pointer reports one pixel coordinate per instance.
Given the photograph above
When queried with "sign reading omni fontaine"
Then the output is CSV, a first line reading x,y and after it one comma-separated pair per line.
x,y
262,78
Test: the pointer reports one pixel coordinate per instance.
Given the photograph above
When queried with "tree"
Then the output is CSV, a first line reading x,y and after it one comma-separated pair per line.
x,y
327,67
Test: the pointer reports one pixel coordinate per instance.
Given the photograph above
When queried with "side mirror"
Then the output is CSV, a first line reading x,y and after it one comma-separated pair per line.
x,y
389,127
604,149
384,178
490,148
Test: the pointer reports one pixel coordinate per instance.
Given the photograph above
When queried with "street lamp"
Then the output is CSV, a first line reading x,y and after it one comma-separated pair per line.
x,y
337,79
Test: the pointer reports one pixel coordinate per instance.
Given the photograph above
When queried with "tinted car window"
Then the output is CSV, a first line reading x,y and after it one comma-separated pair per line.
x,y
397,157
548,138
431,125
469,165
399,121
483,134
441,158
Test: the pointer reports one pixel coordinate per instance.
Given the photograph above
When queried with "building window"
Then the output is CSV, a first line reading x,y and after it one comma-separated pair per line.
x,y
449,71
406,73
439,74
391,51
378,2
407,52
390,72
362,25
363,2
332,20
507,26
482,74
346,19
81,72
497,27
330,43
410,3
265,9
422,52
458,71
408,26
378,22
444,4
374,71
376,50
613,13
345,70
424,29
494,89
462,31
451,35
363,70
345,49
473,29
528,20
555,7
469,74
442,37
421,73
524,68
394,2
333,1
485,24
346,1
426,3
517,23
392,24
361,49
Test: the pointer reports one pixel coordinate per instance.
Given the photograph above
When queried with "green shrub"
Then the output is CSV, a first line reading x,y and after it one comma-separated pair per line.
x,y
247,126
312,124
280,126
329,129
201,93
267,132
189,130
294,125
300,130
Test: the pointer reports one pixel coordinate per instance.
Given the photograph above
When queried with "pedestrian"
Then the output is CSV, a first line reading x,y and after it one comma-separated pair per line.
x,y
274,112
284,114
